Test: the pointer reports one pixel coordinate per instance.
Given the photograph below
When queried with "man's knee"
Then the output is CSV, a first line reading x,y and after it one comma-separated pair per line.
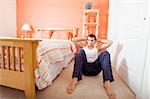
x,y
105,53
80,52
104,56
80,56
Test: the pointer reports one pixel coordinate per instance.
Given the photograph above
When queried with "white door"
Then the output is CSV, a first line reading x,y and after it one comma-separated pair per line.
x,y
128,28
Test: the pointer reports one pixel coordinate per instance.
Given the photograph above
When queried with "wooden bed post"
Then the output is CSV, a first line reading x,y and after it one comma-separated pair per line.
x,y
29,66
28,70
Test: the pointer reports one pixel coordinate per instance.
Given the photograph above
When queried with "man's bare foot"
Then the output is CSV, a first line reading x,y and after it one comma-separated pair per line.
x,y
109,90
72,85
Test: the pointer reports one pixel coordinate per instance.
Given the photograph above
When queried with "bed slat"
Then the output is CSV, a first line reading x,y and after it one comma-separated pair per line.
x,y
3,59
8,57
19,58
13,59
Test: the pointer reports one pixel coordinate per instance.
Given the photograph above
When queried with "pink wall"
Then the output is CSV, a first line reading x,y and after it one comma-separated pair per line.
x,y
57,13
104,6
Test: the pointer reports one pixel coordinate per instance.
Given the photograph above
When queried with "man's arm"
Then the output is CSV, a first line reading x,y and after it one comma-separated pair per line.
x,y
104,44
78,39
80,42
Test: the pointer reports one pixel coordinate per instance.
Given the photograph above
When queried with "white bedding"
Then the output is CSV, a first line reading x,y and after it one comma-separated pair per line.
x,y
53,56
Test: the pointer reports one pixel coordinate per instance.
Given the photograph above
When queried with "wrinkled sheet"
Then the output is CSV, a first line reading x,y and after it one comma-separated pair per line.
x,y
52,56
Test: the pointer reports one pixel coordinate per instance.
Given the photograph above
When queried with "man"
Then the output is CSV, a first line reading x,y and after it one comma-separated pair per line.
x,y
90,61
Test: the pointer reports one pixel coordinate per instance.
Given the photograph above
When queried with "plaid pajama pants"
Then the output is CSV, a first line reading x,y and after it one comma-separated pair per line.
x,y
103,63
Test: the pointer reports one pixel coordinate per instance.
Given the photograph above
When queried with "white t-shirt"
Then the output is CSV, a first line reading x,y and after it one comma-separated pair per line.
x,y
91,54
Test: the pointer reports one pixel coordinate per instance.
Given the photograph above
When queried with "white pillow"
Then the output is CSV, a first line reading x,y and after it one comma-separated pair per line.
x,y
46,34
42,34
37,34
60,35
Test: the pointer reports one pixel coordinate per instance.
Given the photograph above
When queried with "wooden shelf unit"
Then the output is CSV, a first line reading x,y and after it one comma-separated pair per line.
x,y
90,22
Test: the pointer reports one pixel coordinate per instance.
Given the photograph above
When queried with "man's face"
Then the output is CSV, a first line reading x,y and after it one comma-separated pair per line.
x,y
91,41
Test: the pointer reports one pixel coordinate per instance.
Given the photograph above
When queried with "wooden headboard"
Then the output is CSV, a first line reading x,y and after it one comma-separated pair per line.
x,y
71,32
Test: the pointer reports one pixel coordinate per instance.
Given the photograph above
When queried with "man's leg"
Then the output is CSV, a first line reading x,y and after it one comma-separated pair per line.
x,y
72,85
77,71
104,58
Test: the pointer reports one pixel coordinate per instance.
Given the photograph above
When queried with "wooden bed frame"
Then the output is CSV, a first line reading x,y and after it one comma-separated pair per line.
x,y
72,32
20,79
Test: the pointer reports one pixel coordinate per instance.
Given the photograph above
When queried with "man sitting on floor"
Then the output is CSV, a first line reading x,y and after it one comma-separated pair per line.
x,y
90,60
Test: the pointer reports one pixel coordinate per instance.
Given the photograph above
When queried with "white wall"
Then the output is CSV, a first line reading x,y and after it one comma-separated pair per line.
x,y
128,28
8,18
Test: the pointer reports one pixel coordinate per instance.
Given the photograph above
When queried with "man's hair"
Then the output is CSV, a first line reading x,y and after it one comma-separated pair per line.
x,y
93,36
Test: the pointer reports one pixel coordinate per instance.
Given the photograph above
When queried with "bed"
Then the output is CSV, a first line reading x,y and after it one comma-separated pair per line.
x,y
26,61
52,56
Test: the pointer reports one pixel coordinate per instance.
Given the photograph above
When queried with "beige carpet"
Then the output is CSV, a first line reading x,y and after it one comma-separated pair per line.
x,y
88,88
